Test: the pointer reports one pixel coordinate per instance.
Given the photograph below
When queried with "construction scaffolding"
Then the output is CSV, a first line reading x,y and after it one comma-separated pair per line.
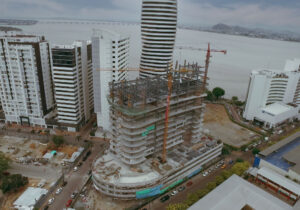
x,y
138,113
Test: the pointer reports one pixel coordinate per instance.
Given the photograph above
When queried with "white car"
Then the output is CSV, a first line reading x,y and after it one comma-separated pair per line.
x,y
75,168
174,192
205,173
58,191
51,200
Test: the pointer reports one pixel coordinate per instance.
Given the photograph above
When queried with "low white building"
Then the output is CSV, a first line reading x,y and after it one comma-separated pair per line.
x,y
29,198
276,113
273,95
236,194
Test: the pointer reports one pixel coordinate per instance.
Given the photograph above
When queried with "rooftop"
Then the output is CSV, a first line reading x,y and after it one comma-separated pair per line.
x,y
280,180
277,108
29,198
235,193
293,156
112,170
283,154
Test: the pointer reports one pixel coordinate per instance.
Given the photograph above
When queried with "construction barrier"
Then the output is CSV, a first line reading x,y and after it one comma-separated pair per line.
x,y
194,173
148,192
172,185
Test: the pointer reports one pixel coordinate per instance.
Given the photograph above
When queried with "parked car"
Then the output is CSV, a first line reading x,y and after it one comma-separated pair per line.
x,y
165,198
223,166
73,194
68,204
51,200
174,192
58,191
205,173
46,207
75,168
79,164
181,188
189,183
65,183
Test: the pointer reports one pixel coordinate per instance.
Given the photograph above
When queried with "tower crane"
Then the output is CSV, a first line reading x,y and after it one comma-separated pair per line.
x,y
170,82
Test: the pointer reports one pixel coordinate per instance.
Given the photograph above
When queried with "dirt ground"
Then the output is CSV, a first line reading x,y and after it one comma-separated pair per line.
x,y
16,148
218,125
10,198
97,201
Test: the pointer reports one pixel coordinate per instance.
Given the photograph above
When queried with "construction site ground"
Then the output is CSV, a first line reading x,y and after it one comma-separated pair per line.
x,y
219,126
98,201
16,148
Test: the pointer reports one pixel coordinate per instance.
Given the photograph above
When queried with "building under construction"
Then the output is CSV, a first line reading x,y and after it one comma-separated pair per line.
x,y
150,118
138,114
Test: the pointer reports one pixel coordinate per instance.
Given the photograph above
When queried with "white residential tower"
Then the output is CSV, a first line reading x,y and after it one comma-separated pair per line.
x,y
158,28
73,83
110,62
273,95
26,88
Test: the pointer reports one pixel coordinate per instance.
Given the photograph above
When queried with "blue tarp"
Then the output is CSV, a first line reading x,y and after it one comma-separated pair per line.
x,y
148,192
256,162
194,173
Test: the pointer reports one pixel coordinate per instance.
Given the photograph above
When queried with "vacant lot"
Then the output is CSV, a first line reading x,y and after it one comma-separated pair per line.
x,y
218,125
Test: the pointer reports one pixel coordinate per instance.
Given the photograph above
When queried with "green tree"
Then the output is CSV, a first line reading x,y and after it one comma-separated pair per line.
x,y
219,180
239,168
177,206
58,140
255,151
92,133
226,174
191,199
225,151
234,98
239,103
209,96
239,160
201,193
243,148
218,92
4,163
13,182
211,185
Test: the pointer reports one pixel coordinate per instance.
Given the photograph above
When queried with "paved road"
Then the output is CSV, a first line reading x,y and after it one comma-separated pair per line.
x,y
77,179
199,182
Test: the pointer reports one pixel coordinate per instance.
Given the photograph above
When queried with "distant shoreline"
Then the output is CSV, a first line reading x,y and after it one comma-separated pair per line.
x,y
8,28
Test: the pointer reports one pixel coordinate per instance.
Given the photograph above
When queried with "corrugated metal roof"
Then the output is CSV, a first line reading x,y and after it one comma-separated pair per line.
x,y
29,197
280,180
235,193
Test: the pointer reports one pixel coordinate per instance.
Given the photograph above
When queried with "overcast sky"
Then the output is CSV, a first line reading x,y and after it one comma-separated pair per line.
x,y
270,14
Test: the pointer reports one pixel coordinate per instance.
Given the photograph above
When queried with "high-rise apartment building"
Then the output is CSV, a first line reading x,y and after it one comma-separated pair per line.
x,y
26,88
274,95
110,62
73,83
158,28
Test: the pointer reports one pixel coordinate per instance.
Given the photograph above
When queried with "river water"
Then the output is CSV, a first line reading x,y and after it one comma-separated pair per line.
x,y
230,71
